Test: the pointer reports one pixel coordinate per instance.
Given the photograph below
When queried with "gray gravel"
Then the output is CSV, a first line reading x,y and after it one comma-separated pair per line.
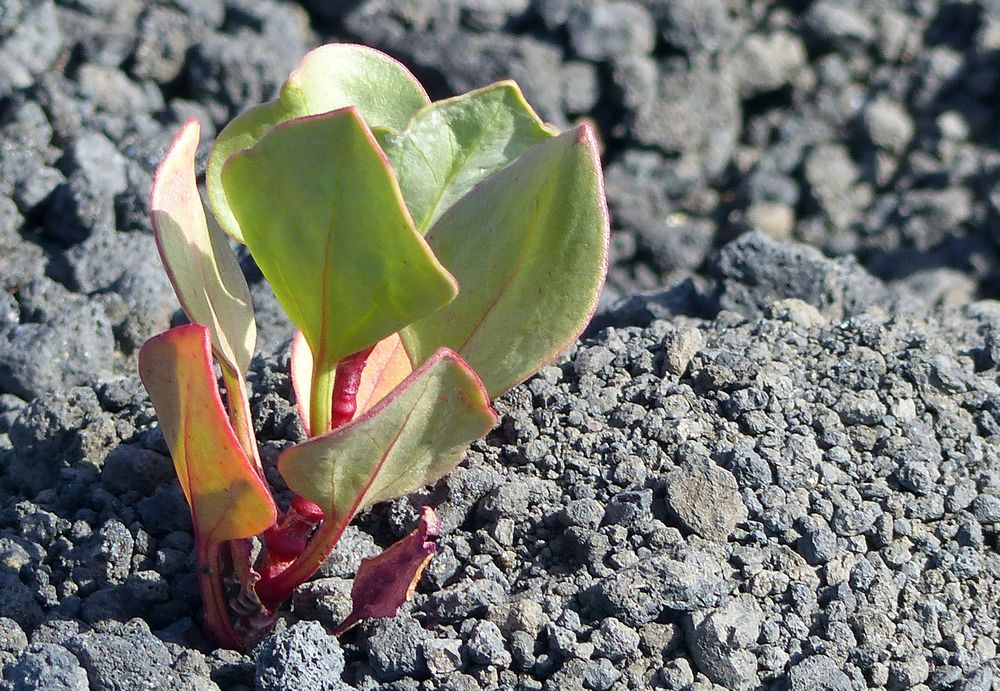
x,y
770,464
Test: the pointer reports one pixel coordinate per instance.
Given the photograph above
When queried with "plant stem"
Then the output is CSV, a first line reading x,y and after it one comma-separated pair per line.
x,y
291,556
239,413
217,619
287,538
321,401
274,588
345,387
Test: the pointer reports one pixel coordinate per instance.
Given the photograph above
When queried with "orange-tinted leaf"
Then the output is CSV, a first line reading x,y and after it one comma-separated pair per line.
x,y
385,583
228,500
387,366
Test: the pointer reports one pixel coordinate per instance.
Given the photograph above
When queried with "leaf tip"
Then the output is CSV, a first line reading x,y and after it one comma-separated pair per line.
x,y
179,152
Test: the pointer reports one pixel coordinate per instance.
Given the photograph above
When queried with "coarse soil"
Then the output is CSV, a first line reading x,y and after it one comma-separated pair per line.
x,y
771,462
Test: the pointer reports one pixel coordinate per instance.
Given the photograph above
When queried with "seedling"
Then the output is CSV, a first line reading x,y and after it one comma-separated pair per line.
x,y
431,256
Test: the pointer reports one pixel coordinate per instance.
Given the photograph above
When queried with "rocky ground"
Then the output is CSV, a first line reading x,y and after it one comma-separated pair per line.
x,y
772,463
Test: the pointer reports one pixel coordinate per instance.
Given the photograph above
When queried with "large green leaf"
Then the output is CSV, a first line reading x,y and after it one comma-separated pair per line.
x,y
529,248
322,215
329,77
228,499
411,438
452,145
202,267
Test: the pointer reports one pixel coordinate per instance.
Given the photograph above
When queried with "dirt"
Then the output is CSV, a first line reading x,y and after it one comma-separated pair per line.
x,y
770,463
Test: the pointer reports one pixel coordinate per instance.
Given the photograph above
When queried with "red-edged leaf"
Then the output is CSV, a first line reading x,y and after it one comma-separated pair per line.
x,y
321,212
529,246
412,437
200,264
386,582
228,499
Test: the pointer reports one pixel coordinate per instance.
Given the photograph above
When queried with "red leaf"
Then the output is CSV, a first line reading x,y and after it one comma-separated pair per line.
x,y
384,583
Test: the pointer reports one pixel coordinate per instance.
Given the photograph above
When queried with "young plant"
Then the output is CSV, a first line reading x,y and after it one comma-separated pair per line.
x,y
431,256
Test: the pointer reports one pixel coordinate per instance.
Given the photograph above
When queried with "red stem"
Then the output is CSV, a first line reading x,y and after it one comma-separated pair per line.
x,y
217,619
276,587
291,557
345,387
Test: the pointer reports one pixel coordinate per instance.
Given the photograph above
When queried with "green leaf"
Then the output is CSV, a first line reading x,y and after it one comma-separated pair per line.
x,y
228,500
452,145
329,77
323,217
529,247
411,438
202,267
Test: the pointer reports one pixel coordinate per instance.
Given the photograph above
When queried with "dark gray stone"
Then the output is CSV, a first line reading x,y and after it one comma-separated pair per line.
x,y
678,579
611,30
109,553
818,673
691,114
12,638
485,645
327,600
345,559
165,510
133,468
600,675
86,201
164,39
303,656
125,656
586,513
46,666
464,599
395,648
614,640
148,587
819,544
115,602
17,601
764,63
75,347
756,270
695,26
31,46
841,25
581,87
150,304
57,431
444,656
986,508
722,643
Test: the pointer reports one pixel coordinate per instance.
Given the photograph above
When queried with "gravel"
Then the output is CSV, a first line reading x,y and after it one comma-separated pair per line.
x,y
303,656
771,462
